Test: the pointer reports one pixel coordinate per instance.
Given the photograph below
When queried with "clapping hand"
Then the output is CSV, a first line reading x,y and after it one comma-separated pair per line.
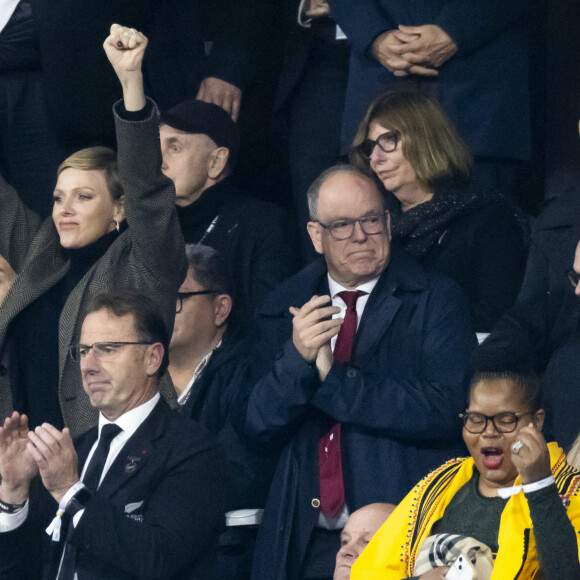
x,y
17,466
54,453
313,326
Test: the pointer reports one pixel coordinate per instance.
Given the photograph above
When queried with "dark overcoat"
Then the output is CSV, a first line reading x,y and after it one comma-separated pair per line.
x,y
397,401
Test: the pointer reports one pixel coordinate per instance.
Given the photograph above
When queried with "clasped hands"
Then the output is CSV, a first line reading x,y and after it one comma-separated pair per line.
x,y
24,454
418,50
312,329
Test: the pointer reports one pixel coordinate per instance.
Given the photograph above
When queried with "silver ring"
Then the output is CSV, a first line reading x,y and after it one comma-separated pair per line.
x,y
517,446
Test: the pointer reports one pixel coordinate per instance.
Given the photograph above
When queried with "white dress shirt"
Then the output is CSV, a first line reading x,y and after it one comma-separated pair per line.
x,y
7,8
335,288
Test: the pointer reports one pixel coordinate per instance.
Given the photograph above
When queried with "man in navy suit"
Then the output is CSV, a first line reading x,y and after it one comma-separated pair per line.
x,y
148,504
385,415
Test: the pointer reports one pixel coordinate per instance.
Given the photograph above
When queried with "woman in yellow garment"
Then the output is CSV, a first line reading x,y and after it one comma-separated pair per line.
x,y
541,521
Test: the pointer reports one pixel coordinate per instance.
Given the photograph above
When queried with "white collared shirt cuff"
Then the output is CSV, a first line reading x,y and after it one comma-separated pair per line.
x,y
9,522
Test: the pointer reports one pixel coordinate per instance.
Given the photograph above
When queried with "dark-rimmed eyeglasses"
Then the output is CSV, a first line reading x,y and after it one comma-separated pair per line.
x,y
386,142
573,277
102,350
181,296
343,229
503,422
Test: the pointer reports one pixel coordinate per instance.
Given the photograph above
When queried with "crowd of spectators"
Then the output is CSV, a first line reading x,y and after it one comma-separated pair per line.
x,y
266,273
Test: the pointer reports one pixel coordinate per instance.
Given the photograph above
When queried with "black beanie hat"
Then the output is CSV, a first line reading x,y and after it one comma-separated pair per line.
x,y
194,116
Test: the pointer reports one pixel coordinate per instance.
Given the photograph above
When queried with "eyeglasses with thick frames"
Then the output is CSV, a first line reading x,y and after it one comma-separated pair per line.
x,y
181,296
386,142
573,277
343,229
103,351
476,423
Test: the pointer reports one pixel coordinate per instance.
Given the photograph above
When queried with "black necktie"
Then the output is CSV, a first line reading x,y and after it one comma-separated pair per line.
x,y
91,480
99,458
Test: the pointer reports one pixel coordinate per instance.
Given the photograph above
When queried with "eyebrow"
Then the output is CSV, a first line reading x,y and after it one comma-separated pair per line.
x,y
83,188
172,140
367,214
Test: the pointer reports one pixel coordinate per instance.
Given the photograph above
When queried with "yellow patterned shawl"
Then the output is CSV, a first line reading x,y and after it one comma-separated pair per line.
x,y
391,553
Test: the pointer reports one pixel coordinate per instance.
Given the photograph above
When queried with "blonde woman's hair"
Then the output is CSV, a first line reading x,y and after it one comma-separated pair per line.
x,y
97,158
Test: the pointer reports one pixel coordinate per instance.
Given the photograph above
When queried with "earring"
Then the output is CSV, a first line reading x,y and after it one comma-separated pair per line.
x,y
117,225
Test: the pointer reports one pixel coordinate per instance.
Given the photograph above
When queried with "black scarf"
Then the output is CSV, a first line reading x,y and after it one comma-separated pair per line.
x,y
424,226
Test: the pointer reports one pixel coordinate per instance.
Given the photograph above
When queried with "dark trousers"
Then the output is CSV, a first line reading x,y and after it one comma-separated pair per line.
x,y
235,553
314,118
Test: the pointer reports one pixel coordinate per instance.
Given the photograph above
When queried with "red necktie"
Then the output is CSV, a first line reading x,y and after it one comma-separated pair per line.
x,y
329,457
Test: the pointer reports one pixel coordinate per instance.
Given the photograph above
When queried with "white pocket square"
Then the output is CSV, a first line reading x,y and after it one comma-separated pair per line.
x,y
131,507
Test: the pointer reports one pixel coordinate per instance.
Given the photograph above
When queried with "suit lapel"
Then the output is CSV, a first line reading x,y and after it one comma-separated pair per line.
x,y
378,315
402,274
136,452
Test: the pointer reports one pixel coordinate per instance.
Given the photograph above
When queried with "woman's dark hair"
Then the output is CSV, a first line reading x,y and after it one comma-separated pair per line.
x,y
429,140
97,158
149,324
510,358
528,383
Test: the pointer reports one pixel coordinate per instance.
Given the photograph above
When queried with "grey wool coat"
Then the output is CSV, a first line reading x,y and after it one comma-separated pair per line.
x,y
148,256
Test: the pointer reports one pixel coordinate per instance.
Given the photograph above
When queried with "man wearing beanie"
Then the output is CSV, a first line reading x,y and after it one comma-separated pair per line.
x,y
200,145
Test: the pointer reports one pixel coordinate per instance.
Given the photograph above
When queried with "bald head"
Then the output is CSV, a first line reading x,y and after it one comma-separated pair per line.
x,y
359,529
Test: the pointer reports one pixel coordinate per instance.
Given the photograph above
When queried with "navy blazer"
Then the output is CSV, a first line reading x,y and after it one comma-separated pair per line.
x,y
483,88
397,402
157,513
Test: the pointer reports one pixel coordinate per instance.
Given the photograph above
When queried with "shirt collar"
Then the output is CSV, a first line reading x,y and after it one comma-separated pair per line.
x,y
335,287
131,420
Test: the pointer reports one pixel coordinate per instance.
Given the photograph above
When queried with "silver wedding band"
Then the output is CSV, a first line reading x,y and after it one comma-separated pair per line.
x,y
517,446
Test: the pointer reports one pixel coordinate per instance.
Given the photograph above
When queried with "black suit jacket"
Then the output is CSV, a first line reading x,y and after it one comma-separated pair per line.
x,y
157,513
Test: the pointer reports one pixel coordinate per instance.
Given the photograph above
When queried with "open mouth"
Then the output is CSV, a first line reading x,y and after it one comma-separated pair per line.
x,y
492,457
